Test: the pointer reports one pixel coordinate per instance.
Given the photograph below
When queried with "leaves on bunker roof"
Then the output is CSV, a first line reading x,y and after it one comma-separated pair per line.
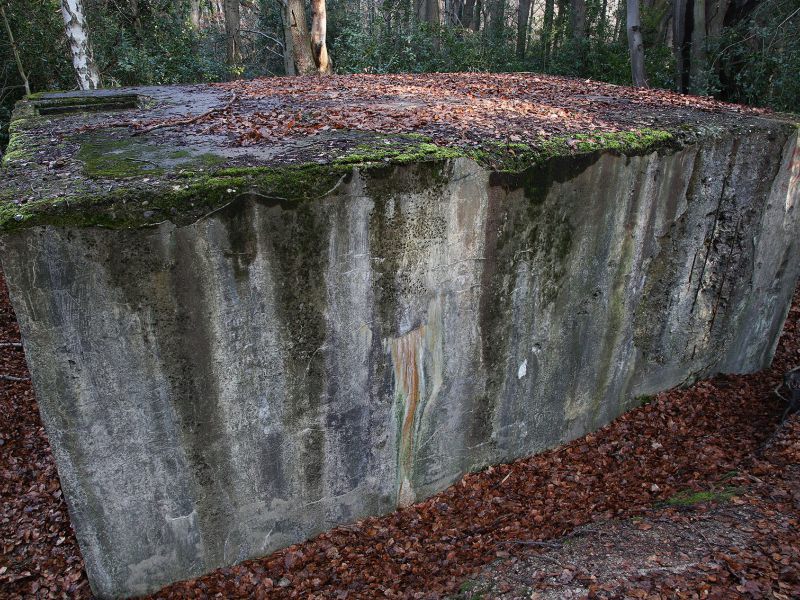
x,y
463,109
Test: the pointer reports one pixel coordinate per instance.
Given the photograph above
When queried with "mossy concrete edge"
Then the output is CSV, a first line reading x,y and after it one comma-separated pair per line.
x,y
188,196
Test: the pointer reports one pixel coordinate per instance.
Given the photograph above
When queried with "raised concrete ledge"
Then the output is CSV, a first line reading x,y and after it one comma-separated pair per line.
x,y
129,157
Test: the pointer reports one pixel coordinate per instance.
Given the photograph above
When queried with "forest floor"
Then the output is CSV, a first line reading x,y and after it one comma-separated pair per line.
x,y
696,494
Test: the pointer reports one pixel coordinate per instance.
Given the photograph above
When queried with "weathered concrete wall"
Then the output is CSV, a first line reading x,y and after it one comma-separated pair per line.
x,y
217,391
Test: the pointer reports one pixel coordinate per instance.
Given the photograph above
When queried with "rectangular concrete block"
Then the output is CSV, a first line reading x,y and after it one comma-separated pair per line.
x,y
231,355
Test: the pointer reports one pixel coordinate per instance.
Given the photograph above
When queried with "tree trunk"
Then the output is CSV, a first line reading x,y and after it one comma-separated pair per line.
x,y
547,31
194,14
603,20
697,63
679,42
468,16
578,19
386,9
560,17
522,27
371,17
301,39
15,51
715,22
635,44
136,18
318,29
451,12
427,11
78,36
497,15
232,36
661,18
434,14
621,27
288,47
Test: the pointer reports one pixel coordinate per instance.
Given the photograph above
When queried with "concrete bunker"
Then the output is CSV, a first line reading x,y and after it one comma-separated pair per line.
x,y
237,344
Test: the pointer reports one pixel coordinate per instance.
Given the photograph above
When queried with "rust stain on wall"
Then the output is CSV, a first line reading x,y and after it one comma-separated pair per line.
x,y
794,177
407,352
417,360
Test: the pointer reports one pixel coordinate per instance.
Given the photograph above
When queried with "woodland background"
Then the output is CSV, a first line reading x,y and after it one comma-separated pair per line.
x,y
744,51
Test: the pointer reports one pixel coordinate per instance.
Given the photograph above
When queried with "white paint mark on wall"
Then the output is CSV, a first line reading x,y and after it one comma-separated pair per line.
x,y
523,369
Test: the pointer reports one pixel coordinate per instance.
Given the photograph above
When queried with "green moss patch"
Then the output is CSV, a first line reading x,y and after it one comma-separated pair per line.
x,y
122,157
689,498
20,139
399,153
181,203
514,157
115,159
645,399
17,150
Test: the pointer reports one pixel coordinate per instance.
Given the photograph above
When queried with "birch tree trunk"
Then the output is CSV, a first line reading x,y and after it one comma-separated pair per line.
x,y
319,24
232,36
78,36
635,44
15,51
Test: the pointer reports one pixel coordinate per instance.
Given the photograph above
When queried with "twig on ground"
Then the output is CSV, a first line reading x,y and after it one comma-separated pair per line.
x,y
189,121
711,548
674,570
12,378
553,545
